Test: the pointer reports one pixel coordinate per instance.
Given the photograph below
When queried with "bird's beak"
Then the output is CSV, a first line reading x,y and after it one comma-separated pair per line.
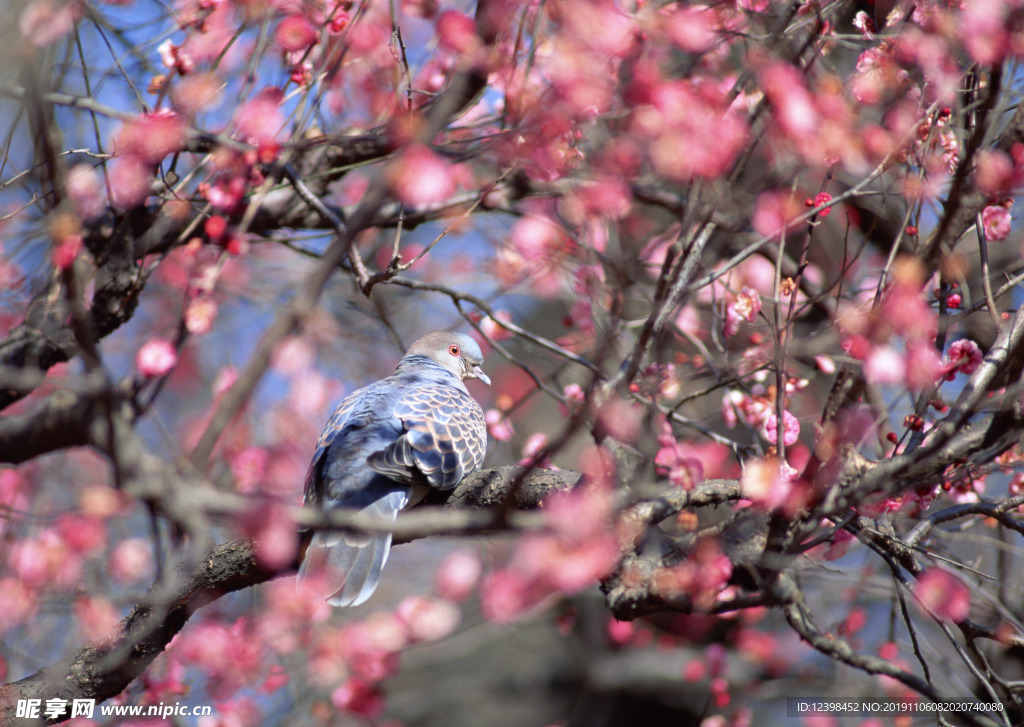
x,y
477,373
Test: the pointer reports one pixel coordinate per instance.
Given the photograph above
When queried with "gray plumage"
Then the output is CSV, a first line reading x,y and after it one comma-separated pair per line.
x,y
385,446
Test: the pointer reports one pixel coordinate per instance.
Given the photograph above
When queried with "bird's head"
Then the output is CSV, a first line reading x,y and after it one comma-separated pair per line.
x,y
456,352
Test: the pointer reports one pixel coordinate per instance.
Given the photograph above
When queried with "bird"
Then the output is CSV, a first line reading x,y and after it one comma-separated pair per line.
x,y
385,447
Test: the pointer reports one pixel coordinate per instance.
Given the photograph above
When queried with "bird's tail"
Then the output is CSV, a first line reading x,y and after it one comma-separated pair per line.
x,y
354,559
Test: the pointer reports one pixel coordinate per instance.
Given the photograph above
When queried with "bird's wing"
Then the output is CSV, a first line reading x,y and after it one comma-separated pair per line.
x,y
444,438
313,491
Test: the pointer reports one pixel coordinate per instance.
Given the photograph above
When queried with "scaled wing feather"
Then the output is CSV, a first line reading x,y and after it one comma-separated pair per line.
x,y
444,438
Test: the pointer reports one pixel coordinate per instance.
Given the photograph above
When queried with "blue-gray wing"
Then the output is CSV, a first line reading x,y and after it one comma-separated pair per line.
x,y
444,439
341,417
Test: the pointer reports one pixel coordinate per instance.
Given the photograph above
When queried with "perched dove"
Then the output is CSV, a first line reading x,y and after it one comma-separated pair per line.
x,y
386,445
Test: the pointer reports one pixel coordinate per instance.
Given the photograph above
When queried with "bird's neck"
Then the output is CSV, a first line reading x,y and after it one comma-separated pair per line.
x,y
424,367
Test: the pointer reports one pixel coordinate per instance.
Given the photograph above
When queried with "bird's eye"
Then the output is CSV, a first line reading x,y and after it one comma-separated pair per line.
x,y
454,350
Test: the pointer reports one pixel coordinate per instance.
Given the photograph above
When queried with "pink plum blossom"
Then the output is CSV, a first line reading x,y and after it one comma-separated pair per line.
x,y
621,419
131,560
274,532
249,468
877,74
13,489
214,40
732,403
996,221
905,311
457,32
150,137
200,314
885,365
567,566
605,198
785,88
420,8
606,130
196,93
984,30
498,426
85,187
226,378
172,56
774,213
66,251
692,28
865,24
164,680
840,545
259,120
85,534
226,653
536,236
582,316
692,133
458,575
620,632
369,648
695,670
298,601
673,461
745,307
97,618
215,226
702,576
578,550
964,357
825,364
945,595
820,199
755,409
156,357
995,172
493,329
45,560
44,22
923,367
420,177
18,603
791,429
130,182
574,398
534,445
294,356
507,594
310,393
428,619
767,483
340,19
226,193
295,33
359,696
